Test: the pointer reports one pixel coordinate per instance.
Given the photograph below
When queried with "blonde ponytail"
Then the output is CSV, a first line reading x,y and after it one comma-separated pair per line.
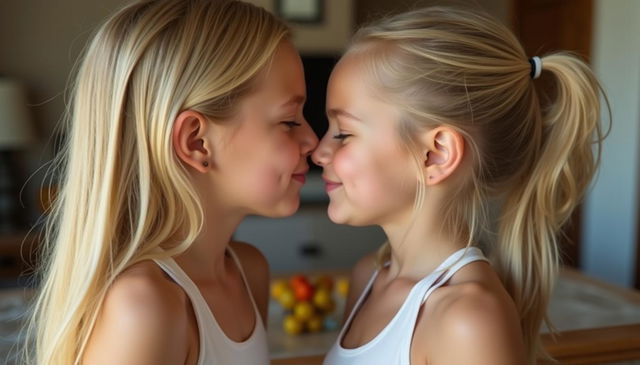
x,y
542,199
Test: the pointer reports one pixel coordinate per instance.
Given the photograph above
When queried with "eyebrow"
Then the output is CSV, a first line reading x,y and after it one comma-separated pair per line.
x,y
332,113
296,99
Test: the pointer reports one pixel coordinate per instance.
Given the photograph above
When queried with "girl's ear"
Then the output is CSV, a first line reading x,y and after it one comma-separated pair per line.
x,y
443,149
189,142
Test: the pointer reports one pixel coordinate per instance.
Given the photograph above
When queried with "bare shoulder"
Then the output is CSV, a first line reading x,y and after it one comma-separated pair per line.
x,y
362,271
360,276
472,322
253,261
143,320
256,269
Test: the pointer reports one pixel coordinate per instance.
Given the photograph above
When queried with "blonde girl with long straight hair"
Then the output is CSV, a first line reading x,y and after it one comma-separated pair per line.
x,y
434,117
186,116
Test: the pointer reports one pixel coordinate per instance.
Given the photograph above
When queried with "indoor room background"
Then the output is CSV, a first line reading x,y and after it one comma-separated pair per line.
x,y
41,39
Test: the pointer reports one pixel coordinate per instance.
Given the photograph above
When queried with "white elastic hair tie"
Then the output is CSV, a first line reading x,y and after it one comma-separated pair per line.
x,y
536,67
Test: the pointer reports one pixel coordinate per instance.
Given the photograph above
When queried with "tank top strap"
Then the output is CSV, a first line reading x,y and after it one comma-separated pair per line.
x,y
175,272
358,303
215,346
204,317
246,282
171,267
451,265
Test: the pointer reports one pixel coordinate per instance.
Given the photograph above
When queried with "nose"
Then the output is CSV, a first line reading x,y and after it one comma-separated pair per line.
x,y
309,140
323,153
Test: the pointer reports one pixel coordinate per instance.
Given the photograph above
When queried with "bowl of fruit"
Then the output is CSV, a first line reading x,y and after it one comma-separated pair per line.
x,y
309,304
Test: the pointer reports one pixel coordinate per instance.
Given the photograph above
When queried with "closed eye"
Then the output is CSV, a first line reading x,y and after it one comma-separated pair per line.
x,y
341,136
291,123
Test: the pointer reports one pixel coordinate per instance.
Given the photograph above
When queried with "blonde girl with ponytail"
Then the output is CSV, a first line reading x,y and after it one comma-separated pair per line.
x,y
433,117
186,116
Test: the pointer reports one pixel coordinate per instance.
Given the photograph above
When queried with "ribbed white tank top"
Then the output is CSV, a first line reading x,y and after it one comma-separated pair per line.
x,y
215,346
392,346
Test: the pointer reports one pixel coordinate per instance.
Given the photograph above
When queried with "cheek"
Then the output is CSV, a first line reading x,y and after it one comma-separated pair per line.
x,y
288,152
348,165
374,177
265,179
360,173
273,163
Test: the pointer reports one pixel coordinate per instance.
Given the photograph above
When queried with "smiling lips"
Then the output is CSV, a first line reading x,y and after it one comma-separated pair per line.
x,y
330,185
300,176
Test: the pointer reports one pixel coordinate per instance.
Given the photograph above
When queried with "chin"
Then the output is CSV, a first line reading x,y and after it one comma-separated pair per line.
x,y
338,216
284,209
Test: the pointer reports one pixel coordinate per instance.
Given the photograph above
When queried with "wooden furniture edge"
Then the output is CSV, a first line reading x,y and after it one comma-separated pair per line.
x,y
604,344
303,360
588,346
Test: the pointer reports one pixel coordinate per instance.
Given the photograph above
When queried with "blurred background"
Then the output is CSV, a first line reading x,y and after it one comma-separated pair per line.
x,y
41,39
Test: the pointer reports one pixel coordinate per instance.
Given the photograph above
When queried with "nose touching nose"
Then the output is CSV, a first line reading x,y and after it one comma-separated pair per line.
x,y
322,154
309,140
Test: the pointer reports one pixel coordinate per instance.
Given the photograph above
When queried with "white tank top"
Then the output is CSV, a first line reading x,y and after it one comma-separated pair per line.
x,y
215,346
392,346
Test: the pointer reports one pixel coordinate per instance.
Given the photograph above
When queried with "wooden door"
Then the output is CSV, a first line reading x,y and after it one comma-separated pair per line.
x,y
549,25
637,284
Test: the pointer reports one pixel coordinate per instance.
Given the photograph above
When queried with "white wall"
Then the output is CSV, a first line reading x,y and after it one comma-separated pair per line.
x,y
610,215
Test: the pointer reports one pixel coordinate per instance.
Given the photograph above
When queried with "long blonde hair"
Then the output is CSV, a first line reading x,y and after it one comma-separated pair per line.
x,y
448,66
123,193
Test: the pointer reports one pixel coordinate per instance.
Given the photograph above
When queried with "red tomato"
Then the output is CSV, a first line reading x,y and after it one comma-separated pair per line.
x,y
297,280
303,291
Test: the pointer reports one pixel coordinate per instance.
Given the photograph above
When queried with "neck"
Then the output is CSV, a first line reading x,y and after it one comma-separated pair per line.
x,y
419,243
205,259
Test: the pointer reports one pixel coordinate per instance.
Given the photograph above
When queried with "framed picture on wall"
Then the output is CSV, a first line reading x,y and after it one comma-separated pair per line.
x,y
301,11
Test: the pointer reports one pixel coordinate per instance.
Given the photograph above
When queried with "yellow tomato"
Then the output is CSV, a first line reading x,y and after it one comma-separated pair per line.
x,y
292,325
303,311
315,324
278,287
287,299
322,299
342,286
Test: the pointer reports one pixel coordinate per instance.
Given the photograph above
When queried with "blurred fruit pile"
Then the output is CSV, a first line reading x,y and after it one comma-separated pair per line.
x,y
308,304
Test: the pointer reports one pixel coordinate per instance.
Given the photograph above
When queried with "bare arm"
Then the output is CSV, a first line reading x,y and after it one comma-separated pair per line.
x,y
142,321
476,328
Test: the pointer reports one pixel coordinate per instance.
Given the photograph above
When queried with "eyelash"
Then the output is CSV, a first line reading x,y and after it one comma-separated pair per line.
x,y
291,124
342,136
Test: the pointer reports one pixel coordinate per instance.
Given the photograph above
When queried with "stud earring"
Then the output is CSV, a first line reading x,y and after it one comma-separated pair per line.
x,y
205,164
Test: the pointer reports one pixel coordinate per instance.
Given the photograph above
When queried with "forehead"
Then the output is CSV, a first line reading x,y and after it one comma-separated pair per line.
x,y
347,70
284,74
350,84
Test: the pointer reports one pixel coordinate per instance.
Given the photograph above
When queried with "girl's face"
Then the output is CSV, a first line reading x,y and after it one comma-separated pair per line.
x,y
262,160
370,177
